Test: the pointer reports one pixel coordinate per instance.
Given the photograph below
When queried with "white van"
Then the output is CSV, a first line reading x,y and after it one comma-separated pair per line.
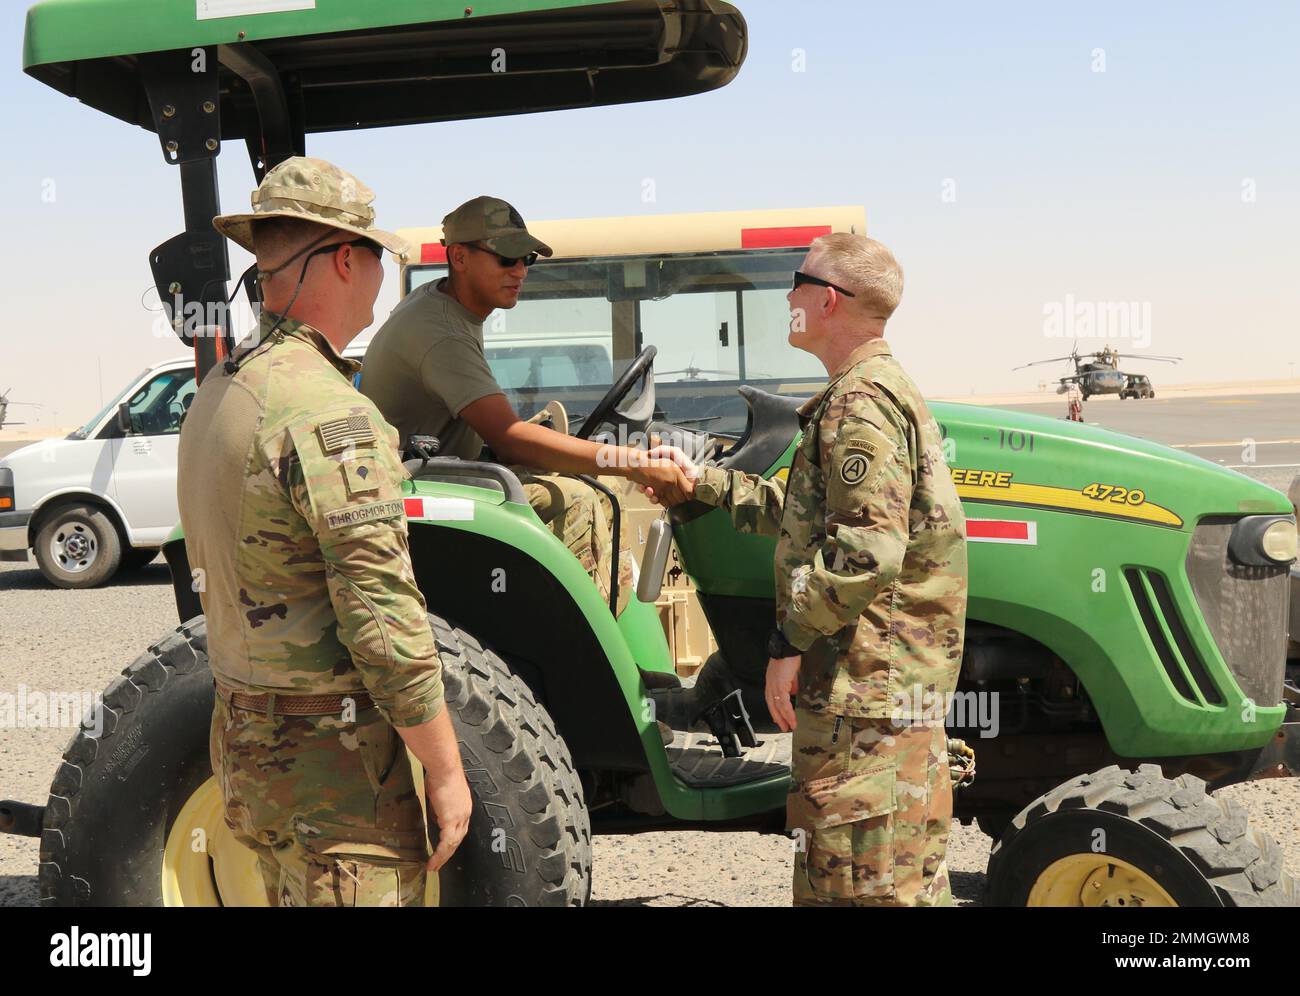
x,y
104,497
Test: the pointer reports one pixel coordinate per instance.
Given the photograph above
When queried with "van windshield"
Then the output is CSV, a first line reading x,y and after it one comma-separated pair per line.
x,y
89,427
718,319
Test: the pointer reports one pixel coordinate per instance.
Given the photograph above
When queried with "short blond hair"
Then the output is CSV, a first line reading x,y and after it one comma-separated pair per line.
x,y
864,266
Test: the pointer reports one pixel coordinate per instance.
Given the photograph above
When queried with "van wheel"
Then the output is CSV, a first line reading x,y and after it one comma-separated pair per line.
x,y
78,546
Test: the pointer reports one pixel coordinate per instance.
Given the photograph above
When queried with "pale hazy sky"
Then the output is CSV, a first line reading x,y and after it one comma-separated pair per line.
x,y
1007,173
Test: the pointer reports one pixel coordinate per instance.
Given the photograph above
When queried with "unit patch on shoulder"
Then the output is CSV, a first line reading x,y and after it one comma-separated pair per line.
x,y
338,434
357,514
857,461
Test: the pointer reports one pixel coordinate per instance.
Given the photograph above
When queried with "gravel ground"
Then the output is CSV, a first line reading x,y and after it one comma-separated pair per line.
x,y
77,641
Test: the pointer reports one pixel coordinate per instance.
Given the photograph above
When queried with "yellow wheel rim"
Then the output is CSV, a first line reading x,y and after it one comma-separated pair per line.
x,y
204,865
1096,880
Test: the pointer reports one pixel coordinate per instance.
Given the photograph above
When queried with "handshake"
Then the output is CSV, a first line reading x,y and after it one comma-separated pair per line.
x,y
664,474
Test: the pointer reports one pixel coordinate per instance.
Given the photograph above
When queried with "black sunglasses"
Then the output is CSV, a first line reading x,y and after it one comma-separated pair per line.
x,y
506,261
807,278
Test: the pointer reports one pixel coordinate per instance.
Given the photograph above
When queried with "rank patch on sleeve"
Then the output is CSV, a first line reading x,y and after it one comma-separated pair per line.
x,y
357,514
338,434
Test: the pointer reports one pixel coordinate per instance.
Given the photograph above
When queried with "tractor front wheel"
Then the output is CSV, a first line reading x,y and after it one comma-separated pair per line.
x,y
1135,838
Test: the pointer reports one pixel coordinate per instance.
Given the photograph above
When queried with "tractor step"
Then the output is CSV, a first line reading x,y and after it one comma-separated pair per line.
x,y
697,760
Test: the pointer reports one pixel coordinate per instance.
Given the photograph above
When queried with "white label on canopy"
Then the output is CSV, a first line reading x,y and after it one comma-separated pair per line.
x,y
208,10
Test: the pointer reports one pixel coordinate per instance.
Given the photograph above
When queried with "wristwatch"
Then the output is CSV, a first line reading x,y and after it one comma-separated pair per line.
x,y
778,646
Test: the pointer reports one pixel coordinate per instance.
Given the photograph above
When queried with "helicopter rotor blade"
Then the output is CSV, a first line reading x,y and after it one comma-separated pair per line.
x,y
1158,359
1035,363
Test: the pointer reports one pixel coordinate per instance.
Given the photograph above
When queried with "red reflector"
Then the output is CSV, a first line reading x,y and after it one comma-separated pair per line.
x,y
1001,531
775,238
433,252
414,507
994,529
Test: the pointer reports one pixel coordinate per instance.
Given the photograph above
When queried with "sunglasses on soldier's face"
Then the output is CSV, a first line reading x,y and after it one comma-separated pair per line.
x,y
807,278
507,262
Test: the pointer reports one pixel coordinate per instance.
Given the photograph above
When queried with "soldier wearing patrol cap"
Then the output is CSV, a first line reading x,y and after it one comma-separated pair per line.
x,y
318,639
427,371
870,596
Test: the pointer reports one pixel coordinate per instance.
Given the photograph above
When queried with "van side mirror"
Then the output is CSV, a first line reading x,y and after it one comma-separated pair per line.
x,y
124,419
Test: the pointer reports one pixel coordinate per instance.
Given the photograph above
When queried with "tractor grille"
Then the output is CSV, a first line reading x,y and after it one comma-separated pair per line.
x,y
1245,608
1172,643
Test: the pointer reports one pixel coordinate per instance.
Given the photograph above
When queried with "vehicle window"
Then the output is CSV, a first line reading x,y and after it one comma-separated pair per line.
x,y
89,427
158,406
719,320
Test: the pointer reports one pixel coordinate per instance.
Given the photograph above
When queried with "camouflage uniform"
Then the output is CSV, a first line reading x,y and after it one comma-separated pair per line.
x,y
871,587
290,495
581,518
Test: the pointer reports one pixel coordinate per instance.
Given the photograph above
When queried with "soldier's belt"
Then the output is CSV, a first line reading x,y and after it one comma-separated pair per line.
x,y
297,705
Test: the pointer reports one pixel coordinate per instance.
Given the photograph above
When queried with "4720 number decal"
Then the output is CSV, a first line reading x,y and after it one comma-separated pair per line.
x,y
1116,494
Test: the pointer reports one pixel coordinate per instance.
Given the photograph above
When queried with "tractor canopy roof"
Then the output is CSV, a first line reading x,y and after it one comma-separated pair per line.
x,y
343,64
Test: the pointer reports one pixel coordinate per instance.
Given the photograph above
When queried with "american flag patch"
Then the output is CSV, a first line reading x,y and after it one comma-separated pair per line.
x,y
340,433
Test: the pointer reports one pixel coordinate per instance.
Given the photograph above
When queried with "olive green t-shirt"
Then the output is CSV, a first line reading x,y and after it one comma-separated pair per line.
x,y
425,365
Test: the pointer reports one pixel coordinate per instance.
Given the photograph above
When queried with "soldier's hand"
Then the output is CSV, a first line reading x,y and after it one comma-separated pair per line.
x,y
782,684
664,483
450,803
663,451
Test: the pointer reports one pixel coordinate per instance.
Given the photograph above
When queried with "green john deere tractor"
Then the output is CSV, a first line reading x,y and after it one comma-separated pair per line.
x,y
1127,645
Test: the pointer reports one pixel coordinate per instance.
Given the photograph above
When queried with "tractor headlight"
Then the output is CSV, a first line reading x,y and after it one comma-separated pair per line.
x,y
1263,540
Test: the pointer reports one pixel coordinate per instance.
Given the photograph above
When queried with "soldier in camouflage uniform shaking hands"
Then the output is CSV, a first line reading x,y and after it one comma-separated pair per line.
x,y
870,596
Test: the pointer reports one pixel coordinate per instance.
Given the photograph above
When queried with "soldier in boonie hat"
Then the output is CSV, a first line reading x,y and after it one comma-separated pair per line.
x,y
311,190
299,198
290,493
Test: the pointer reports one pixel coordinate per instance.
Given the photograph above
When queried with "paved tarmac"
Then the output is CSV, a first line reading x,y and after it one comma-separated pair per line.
x,y
79,640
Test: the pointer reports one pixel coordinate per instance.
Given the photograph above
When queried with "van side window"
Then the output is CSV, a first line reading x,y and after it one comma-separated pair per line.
x,y
158,407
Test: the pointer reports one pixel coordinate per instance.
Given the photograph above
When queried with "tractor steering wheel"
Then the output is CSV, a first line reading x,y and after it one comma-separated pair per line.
x,y
642,411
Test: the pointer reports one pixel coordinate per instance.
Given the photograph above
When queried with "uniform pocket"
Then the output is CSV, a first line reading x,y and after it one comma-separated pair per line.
x,y
348,865
846,822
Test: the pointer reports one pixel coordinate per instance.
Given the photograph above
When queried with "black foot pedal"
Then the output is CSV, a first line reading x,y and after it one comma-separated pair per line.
x,y
728,720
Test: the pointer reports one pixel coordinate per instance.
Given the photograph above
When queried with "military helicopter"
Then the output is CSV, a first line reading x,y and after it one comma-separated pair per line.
x,y
4,407
1101,374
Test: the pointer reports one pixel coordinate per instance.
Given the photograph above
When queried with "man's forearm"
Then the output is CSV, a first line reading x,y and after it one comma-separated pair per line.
x,y
434,745
537,446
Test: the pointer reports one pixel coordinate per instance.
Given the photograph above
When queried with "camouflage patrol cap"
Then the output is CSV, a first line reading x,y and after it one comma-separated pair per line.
x,y
495,224
311,190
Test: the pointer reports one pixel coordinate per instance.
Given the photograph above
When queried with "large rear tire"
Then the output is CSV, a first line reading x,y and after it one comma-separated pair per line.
x,y
118,821
1135,838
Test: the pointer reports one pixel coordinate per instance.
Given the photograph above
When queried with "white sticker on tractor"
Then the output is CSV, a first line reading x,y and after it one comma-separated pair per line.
x,y
1001,531
210,10
440,509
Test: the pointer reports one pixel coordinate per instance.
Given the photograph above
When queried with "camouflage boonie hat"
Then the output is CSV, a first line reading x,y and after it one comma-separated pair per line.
x,y
313,190
495,224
